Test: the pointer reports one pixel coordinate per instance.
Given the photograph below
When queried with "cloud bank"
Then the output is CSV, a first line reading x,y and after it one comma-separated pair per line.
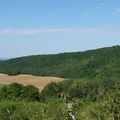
x,y
61,31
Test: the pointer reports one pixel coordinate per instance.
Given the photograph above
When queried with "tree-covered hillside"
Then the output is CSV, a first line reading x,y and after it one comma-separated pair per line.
x,y
98,63
1,60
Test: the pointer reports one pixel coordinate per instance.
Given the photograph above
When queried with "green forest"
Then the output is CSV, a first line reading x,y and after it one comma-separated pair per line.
x,y
90,91
98,63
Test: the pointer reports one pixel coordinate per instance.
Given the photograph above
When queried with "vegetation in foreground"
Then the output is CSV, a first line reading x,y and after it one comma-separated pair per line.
x,y
90,100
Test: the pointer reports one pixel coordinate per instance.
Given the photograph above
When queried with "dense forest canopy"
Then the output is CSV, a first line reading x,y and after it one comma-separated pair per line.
x,y
97,63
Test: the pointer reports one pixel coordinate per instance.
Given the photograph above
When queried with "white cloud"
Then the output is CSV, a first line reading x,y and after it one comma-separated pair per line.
x,y
116,12
61,31
28,31
86,15
102,4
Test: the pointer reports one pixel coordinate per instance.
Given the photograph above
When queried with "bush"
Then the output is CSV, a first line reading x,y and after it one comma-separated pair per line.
x,y
51,90
30,93
17,91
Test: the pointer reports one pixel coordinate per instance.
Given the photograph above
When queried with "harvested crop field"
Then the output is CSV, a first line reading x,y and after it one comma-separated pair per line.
x,y
38,81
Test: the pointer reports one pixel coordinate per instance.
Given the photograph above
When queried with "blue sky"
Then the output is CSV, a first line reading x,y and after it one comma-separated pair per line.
x,y
29,27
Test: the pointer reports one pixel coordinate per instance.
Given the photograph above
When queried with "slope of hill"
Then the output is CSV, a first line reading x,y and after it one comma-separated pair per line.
x,y
1,60
99,63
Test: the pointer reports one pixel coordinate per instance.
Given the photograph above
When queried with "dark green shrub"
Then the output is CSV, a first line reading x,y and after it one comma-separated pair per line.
x,y
30,93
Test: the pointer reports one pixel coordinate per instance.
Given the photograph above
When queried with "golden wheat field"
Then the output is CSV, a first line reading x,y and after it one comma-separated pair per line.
x,y
38,81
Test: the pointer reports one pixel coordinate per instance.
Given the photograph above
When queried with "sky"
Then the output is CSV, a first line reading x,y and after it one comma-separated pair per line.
x,y
31,27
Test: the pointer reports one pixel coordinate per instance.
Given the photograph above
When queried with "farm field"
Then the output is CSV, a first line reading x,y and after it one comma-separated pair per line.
x,y
37,81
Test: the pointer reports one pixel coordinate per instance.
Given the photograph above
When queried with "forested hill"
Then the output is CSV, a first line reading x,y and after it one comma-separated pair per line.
x,y
99,63
1,60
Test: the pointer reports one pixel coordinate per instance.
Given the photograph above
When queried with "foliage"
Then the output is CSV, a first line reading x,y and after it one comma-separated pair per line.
x,y
100,63
30,93
92,87
17,91
89,102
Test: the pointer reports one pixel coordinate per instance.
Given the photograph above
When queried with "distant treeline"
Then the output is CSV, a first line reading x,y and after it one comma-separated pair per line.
x,y
99,63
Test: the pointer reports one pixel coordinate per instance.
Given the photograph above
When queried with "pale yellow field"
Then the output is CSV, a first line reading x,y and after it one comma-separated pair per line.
x,y
38,81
